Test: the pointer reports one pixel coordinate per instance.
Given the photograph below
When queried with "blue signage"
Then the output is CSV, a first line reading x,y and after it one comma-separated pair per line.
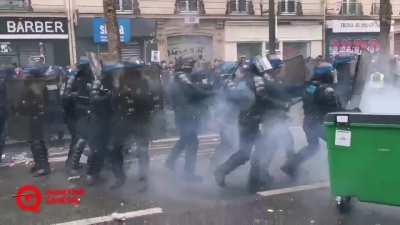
x,y
100,30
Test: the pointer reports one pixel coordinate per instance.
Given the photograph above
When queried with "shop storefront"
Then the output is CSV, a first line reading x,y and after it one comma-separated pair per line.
x,y
396,38
137,37
352,36
397,44
180,38
28,40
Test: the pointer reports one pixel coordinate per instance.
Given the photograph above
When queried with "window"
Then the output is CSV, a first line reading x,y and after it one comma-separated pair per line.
x,y
376,5
124,5
277,47
249,50
351,8
187,6
240,7
13,4
288,7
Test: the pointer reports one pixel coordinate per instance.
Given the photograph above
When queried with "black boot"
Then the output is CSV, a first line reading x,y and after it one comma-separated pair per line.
x,y
219,176
35,155
71,149
144,161
174,155
290,168
43,160
74,164
117,165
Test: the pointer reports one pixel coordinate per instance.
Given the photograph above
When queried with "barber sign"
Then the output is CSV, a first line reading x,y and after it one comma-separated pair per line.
x,y
33,28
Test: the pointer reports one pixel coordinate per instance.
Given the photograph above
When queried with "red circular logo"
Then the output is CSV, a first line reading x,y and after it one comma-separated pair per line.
x,y
29,198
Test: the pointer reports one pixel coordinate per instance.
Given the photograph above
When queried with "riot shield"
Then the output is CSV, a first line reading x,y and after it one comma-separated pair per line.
x,y
293,73
23,98
346,75
360,79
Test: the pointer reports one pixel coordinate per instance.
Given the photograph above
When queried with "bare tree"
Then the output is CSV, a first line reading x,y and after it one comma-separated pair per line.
x,y
385,18
114,41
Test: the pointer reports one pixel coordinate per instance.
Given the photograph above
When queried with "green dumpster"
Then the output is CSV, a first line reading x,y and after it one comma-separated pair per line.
x,y
364,157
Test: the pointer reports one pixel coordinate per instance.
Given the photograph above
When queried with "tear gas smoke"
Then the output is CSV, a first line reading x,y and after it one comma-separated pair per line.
x,y
381,92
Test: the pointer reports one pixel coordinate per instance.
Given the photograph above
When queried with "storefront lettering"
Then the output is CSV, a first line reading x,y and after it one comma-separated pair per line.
x,y
103,29
100,30
356,46
355,26
35,27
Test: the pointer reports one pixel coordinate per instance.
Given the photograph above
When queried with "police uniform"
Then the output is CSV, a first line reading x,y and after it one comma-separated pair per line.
x,y
275,124
33,105
132,104
246,92
75,96
99,126
5,74
319,99
276,121
188,93
225,113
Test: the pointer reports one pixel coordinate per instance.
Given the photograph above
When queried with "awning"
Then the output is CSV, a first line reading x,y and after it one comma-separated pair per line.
x,y
140,28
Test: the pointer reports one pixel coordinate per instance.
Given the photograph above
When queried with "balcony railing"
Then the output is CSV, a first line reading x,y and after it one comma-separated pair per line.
x,y
290,7
351,9
189,7
240,7
14,4
375,8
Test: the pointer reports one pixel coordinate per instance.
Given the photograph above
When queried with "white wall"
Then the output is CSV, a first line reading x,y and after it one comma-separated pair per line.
x,y
48,5
250,31
316,48
230,51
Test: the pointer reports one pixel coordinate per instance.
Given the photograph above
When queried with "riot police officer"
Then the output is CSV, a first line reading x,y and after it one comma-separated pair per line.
x,y
319,99
188,93
278,100
225,112
75,98
99,125
246,91
32,105
132,104
5,73
275,123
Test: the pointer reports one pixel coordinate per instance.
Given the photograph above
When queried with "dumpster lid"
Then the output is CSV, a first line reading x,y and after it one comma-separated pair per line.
x,y
351,117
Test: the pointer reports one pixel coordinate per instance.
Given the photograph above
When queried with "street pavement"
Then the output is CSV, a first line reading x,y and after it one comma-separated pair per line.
x,y
176,202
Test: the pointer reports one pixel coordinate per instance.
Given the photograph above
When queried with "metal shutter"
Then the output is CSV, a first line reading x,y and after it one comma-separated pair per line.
x,y
131,50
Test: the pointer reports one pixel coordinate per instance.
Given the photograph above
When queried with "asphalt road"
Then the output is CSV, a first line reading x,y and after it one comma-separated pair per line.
x,y
185,203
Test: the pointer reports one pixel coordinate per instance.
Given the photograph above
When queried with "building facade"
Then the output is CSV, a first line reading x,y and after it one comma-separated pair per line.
x,y
60,31
229,29
353,26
